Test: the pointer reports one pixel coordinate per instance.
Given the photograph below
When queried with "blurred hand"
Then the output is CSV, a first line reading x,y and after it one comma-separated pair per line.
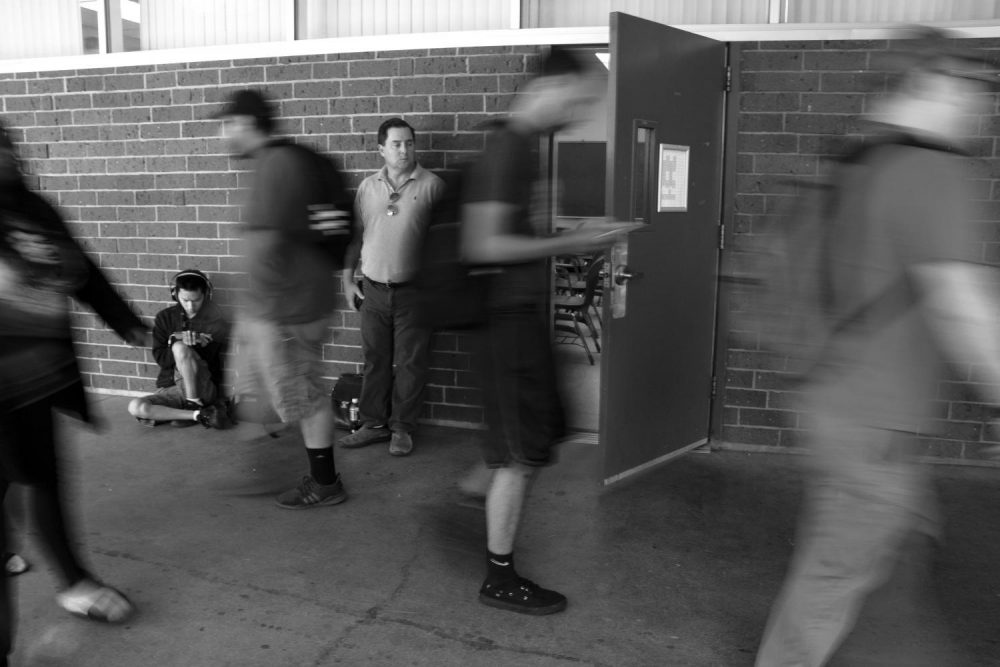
x,y
594,236
139,337
353,294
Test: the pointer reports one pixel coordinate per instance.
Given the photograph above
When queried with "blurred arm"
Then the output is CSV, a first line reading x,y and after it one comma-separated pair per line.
x,y
486,238
963,315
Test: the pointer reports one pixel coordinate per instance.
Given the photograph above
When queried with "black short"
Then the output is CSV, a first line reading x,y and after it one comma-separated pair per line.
x,y
524,412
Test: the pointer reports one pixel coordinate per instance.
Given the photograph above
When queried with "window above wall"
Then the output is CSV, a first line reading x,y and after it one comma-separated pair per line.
x,y
40,28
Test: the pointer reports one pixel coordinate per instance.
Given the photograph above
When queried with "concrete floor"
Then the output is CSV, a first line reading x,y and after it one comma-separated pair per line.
x,y
677,567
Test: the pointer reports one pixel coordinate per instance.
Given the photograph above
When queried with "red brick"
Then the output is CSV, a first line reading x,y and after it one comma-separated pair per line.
x,y
751,436
135,214
768,101
354,105
81,101
327,125
60,182
29,103
331,71
498,102
26,140
372,68
217,214
115,198
300,72
324,89
166,262
177,213
13,88
471,84
417,85
511,83
205,77
440,66
124,82
779,81
201,163
166,245
815,123
496,63
457,103
363,87
404,105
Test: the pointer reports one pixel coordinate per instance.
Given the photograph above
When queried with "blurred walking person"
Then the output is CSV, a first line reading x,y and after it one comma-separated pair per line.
x,y
905,284
41,267
296,200
523,408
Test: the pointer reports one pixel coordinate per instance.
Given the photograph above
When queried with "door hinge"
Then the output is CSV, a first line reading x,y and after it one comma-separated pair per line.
x,y
715,385
728,82
722,236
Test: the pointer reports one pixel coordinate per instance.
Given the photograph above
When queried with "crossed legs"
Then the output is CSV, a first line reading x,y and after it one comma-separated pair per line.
x,y
193,383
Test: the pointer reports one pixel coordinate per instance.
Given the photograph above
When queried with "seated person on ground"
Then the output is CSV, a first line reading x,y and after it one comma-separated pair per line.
x,y
189,339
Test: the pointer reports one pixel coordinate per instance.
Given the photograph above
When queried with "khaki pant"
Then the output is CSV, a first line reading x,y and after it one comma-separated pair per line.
x,y
864,498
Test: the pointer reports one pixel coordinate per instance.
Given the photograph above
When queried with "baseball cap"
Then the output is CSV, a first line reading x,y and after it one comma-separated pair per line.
x,y
246,102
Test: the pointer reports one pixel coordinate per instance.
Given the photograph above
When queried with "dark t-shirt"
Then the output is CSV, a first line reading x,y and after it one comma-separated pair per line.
x,y
507,172
905,206
291,278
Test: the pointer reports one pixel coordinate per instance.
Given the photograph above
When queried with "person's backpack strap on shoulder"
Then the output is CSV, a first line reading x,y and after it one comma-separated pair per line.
x,y
782,290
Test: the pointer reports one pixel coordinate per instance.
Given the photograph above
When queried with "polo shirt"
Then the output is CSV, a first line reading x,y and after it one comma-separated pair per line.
x,y
390,249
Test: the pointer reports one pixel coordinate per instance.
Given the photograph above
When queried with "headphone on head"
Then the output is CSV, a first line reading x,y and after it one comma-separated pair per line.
x,y
190,273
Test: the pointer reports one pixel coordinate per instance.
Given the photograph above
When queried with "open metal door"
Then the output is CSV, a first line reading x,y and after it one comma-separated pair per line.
x,y
665,149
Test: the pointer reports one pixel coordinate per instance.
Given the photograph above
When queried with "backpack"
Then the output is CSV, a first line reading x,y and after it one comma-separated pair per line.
x,y
453,295
783,301
345,389
329,208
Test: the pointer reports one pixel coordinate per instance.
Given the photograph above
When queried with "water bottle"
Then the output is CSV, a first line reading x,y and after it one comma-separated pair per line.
x,y
354,415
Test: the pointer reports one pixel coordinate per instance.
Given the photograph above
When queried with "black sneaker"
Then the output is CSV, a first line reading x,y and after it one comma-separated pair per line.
x,y
310,493
522,596
211,417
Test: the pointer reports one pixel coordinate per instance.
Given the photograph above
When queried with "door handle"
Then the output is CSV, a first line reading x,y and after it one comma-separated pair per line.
x,y
623,274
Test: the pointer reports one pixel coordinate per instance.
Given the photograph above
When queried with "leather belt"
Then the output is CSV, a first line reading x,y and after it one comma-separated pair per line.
x,y
390,284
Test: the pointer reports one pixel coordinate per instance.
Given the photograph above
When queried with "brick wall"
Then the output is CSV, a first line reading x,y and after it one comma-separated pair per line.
x,y
148,186
799,103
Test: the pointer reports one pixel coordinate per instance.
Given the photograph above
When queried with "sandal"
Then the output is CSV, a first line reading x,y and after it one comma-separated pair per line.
x,y
14,564
96,601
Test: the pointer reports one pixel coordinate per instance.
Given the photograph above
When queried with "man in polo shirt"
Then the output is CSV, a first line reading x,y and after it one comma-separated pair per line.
x,y
392,209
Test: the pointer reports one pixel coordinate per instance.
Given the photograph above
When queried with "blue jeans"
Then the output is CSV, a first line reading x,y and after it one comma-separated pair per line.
x,y
395,345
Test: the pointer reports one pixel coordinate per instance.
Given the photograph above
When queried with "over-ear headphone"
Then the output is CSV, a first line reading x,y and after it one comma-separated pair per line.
x,y
190,273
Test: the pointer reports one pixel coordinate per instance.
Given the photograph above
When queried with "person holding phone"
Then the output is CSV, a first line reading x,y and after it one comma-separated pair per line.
x,y
189,340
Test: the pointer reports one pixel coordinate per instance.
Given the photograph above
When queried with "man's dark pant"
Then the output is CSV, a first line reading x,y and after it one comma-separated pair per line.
x,y
391,334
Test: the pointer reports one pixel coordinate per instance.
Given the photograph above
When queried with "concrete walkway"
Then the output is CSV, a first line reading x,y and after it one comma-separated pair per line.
x,y
677,567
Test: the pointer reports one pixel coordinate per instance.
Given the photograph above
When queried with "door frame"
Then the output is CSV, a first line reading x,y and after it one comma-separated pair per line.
x,y
730,135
